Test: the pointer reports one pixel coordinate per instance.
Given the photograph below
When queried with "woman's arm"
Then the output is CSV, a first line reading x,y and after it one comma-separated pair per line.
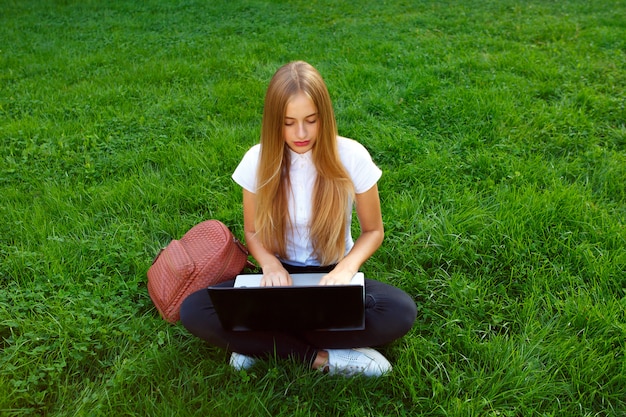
x,y
370,239
273,272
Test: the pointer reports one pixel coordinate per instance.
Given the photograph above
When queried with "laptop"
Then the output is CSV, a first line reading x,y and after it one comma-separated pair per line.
x,y
304,306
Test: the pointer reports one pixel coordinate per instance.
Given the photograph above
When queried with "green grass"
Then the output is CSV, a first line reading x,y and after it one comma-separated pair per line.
x,y
500,128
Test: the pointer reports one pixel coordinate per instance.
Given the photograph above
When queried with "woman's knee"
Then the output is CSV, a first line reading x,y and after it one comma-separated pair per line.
x,y
408,309
391,311
191,309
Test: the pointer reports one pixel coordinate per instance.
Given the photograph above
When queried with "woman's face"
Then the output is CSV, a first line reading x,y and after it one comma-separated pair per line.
x,y
301,123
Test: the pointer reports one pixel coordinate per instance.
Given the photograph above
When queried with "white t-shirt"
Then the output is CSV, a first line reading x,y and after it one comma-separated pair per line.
x,y
361,169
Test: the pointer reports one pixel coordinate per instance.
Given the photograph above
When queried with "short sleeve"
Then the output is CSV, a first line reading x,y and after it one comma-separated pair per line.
x,y
246,171
359,164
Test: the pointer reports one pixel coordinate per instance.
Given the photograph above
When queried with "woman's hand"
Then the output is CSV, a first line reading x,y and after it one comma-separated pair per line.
x,y
276,276
335,277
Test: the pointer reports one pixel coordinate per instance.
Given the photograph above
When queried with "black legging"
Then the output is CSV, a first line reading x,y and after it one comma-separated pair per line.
x,y
389,315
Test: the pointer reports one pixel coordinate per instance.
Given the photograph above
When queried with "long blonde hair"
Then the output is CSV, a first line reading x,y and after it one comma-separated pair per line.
x,y
333,191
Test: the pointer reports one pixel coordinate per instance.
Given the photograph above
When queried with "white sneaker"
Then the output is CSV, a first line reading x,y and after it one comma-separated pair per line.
x,y
358,361
240,361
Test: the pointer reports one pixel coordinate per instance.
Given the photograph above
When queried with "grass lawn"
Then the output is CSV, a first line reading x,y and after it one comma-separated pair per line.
x,y
501,130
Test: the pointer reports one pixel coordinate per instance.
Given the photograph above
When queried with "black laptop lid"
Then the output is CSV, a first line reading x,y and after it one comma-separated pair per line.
x,y
295,308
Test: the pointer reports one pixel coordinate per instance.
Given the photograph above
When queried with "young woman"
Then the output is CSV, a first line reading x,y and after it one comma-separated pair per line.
x,y
300,185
